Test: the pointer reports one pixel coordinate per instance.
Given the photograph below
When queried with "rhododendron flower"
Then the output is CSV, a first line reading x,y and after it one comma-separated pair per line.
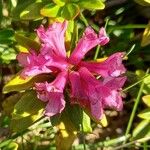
x,y
90,93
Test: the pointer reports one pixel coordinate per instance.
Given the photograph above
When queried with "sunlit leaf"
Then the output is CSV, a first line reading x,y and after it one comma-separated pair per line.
x,y
59,2
70,11
11,146
146,36
103,121
146,100
50,10
141,130
143,2
145,114
26,111
32,11
86,123
91,4
15,14
19,84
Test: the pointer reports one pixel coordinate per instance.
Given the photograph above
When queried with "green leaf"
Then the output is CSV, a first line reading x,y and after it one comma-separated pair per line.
x,y
32,12
75,114
15,14
91,4
27,42
143,2
11,146
59,2
50,10
27,105
8,54
145,114
146,88
141,130
26,111
146,100
6,36
19,84
70,11
86,122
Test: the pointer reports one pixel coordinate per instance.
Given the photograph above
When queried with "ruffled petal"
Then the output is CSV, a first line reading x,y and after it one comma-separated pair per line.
x,y
55,105
103,38
112,66
89,40
33,64
113,101
53,37
53,94
114,83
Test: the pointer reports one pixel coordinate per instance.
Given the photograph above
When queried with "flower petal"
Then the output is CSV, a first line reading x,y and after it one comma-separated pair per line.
x,y
114,83
53,94
55,105
91,88
113,101
77,94
112,66
89,40
33,64
54,37
103,38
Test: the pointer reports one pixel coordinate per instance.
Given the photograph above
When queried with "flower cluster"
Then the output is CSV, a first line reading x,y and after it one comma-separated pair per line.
x,y
90,93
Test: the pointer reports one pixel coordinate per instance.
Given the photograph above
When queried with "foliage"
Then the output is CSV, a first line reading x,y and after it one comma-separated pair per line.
x,y
22,113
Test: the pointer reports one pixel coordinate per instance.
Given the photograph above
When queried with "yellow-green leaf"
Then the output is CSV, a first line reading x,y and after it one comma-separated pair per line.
x,y
146,36
28,104
32,12
70,11
50,10
145,114
143,2
146,100
59,2
141,130
91,4
103,121
19,84
26,111
11,146
86,122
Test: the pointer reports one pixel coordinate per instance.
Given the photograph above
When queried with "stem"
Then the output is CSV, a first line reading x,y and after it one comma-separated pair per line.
x,y
84,19
129,87
133,142
97,52
131,49
135,108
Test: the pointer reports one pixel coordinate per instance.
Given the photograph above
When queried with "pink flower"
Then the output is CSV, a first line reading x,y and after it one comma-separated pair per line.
x,y
90,93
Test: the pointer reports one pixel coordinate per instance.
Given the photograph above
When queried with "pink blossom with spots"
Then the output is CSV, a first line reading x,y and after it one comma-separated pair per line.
x,y
90,93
